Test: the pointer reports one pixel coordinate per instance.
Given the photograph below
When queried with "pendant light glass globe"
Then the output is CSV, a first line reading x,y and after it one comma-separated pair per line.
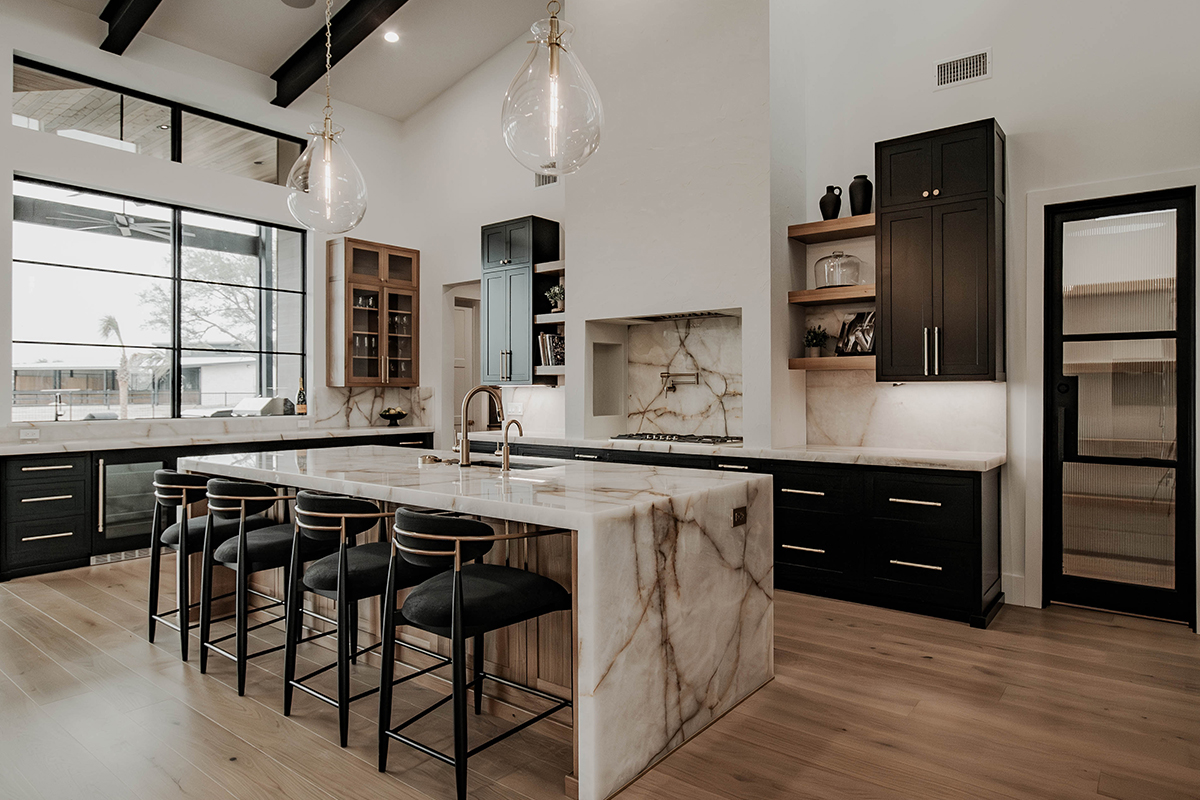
x,y
552,114
328,192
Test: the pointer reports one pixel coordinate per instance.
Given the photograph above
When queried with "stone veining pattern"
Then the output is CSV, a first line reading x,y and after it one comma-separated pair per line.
x,y
713,348
359,407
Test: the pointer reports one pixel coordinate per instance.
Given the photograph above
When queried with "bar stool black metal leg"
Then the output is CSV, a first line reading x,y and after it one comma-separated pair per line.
x,y
183,589
292,626
242,614
206,581
387,666
459,672
344,638
477,674
155,566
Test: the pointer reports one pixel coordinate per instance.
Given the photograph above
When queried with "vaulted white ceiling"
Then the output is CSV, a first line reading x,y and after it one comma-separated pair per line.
x,y
440,42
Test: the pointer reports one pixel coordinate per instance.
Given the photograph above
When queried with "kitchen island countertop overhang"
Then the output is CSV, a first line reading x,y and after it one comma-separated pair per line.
x,y
674,605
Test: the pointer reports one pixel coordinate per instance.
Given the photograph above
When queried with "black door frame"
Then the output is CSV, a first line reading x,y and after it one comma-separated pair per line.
x,y
1179,603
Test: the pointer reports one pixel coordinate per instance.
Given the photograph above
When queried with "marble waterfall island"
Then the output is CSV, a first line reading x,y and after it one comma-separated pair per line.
x,y
673,603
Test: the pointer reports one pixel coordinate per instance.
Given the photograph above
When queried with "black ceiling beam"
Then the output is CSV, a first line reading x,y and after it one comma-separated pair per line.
x,y
125,18
357,20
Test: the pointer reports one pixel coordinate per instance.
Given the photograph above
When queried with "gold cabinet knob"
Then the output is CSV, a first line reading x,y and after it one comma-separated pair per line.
x,y
924,194
937,192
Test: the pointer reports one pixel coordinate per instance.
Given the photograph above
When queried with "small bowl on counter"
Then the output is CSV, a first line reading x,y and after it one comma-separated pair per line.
x,y
393,415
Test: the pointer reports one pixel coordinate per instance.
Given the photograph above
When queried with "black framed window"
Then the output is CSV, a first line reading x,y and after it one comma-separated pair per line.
x,y
74,106
125,309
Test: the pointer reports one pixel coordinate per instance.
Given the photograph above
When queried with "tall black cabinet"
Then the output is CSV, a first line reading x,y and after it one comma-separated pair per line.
x,y
940,255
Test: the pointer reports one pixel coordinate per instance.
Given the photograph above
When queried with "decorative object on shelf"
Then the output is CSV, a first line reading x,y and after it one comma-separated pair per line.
x,y
552,349
838,269
552,114
857,337
393,415
556,294
328,192
301,398
814,339
831,203
861,192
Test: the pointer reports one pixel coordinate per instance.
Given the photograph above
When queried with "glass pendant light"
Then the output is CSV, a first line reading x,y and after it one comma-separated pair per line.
x,y
328,192
552,114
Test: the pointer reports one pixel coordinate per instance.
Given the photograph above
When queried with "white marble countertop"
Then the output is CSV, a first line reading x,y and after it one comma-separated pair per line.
x,y
558,493
871,456
165,437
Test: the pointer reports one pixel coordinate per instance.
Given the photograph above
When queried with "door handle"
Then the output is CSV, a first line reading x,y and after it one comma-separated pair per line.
x,y
1066,392
937,356
100,510
925,349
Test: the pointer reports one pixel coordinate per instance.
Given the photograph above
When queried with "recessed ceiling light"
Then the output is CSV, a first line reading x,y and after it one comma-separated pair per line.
x,y
391,36
164,127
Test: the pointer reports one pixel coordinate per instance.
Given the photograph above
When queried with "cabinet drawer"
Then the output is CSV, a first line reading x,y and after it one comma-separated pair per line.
x,y
931,570
817,541
46,541
945,503
818,490
45,469
45,499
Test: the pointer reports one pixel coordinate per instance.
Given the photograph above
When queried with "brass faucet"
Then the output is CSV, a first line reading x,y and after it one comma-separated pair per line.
x,y
504,465
464,447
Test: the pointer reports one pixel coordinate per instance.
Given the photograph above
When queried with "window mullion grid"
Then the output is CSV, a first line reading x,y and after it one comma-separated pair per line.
x,y
177,311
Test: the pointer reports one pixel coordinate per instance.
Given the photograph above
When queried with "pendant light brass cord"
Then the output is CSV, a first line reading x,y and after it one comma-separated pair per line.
x,y
328,66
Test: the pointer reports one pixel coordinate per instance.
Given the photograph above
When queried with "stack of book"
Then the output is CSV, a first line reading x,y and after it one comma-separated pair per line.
x,y
552,347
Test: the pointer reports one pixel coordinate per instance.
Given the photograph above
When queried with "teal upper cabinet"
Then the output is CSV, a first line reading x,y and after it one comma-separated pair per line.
x,y
519,242
511,293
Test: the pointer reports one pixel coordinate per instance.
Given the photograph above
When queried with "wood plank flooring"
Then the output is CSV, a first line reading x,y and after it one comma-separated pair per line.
x,y
867,703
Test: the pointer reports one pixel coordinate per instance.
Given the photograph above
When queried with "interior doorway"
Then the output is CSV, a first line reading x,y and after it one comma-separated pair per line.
x,y
466,358
1119,448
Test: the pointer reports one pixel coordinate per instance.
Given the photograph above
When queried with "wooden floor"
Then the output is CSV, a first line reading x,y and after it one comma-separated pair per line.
x,y
866,703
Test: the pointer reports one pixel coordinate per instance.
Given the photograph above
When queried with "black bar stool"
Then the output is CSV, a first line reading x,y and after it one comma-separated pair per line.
x,y
355,572
468,601
172,490
250,551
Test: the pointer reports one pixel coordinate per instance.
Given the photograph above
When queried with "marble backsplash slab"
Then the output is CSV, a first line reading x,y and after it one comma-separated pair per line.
x,y
359,407
849,408
710,346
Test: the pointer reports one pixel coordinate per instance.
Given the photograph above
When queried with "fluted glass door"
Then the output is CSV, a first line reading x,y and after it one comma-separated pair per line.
x,y
1119,453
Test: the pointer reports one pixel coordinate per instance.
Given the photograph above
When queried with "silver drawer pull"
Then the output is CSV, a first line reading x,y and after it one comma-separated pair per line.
x,y
804,491
47,536
914,564
805,549
914,502
44,469
401,444
733,466
585,455
46,499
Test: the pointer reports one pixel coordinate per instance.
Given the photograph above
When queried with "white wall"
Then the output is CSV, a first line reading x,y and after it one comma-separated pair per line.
x,y
1086,90
673,211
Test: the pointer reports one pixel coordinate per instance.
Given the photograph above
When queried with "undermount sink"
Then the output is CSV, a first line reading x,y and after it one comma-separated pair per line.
x,y
477,462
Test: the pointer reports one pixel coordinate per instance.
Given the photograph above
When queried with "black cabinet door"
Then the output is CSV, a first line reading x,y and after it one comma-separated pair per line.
x,y
960,162
495,246
493,353
905,286
520,242
905,173
963,344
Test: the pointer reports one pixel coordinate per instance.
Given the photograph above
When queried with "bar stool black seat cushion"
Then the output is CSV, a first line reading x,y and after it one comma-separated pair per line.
x,y
270,548
366,572
222,530
494,597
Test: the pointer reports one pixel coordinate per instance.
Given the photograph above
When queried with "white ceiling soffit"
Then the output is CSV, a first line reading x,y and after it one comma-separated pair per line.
x,y
440,42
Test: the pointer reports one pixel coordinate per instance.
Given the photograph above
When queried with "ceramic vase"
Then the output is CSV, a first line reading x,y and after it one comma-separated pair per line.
x,y
860,195
812,352
831,203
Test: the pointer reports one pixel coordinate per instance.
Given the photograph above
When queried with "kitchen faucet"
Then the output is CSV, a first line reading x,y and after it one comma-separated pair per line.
x,y
464,446
505,466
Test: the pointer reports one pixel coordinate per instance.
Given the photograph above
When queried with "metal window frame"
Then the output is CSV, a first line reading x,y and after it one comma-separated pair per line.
x,y
176,281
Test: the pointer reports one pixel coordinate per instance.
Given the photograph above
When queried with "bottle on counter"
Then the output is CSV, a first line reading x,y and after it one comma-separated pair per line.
x,y
301,399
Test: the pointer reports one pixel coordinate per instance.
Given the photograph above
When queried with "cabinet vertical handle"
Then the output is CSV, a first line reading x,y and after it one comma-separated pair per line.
x,y
937,356
100,511
925,349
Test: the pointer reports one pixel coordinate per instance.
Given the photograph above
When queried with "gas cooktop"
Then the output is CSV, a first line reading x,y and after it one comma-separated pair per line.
x,y
683,438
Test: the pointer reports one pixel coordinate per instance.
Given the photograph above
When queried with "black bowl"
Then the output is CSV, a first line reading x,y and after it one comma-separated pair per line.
x,y
394,418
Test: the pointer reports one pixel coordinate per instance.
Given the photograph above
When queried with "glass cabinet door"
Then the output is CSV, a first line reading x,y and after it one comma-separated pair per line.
x,y
401,322
365,305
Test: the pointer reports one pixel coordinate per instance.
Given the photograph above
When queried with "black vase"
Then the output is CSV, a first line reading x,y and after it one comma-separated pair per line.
x,y
860,195
831,203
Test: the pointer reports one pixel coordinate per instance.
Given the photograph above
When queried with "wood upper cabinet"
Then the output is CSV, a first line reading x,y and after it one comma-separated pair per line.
x,y
940,258
373,314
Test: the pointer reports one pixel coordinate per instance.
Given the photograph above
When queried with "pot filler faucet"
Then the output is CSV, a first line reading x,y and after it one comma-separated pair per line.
x,y
464,448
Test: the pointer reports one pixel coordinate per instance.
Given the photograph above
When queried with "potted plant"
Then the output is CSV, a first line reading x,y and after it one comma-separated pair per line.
x,y
556,294
814,340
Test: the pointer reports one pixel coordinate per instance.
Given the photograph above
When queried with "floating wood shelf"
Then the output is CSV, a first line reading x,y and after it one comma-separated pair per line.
x,y
550,319
834,295
832,230
550,266
559,370
839,362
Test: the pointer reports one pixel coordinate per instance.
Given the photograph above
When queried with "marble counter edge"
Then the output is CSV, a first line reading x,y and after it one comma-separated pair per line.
x,y
963,461
184,440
